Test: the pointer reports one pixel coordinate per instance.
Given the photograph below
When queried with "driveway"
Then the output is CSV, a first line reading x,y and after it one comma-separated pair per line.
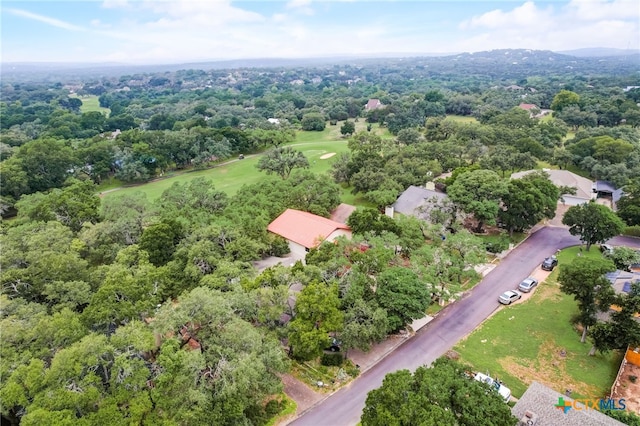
x,y
456,321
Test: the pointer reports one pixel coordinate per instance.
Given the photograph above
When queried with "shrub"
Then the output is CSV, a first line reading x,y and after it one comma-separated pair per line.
x,y
332,359
498,245
632,231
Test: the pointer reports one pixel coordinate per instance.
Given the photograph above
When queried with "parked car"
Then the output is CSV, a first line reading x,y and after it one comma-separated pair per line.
x,y
335,345
549,263
509,296
528,284
496,385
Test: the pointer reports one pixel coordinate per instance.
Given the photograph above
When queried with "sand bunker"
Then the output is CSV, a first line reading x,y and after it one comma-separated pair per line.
x,y
329,155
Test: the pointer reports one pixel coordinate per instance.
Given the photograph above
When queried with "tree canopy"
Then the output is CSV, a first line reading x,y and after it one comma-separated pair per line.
x,y
443,394
593,222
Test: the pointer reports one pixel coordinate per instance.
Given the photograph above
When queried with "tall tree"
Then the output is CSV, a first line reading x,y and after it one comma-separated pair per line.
x,y
584,279
622,329
282,161
629,204
405,297
593,222
440,395
317,314
529,200
479,192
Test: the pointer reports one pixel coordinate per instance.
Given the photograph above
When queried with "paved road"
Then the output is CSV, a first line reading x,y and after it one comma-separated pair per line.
x,y
453,323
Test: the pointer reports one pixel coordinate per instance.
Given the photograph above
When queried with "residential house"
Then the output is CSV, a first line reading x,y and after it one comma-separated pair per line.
x,y
532,108
373,104
304,231
416,201
341,213
608,191
583,186
543,406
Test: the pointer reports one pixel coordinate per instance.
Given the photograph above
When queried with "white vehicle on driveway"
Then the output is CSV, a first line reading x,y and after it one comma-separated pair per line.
x,y
503,391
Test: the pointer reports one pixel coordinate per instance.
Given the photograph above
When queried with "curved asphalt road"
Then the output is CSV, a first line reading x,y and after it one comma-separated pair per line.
x,y
344,407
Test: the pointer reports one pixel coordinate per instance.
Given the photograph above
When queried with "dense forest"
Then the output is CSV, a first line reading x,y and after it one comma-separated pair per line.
x,y
149,311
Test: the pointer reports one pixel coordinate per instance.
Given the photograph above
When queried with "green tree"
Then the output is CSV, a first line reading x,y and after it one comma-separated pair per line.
x,y
370,220
584,279
443,394
313,122
624,257
593,222
282,161
230,375
348,128
563,99
403,295
317,314
479,192
628,206
528,201
160,241
365,323
47,163
622,329
74,205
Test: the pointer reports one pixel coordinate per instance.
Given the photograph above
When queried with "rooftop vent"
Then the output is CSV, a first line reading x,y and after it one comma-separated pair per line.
x,y
529,419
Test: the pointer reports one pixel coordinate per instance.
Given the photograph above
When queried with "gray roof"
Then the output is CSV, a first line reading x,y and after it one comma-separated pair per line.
x,y
604,186
584,187
415,197
542,401
617,194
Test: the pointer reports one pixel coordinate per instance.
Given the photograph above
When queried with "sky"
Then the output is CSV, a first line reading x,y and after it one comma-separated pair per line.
x,y
180,31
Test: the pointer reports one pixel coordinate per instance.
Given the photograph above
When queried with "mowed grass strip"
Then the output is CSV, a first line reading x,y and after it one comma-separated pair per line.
x,y
231,176
91,103
537,340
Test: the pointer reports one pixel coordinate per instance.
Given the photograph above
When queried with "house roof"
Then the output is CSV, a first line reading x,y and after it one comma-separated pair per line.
x,y
565,178
604,186
542,400
415,197
621,280
341,213
304,228
527,107
373,104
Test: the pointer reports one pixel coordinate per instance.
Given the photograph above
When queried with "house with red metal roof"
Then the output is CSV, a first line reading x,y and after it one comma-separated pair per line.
x,y
304,231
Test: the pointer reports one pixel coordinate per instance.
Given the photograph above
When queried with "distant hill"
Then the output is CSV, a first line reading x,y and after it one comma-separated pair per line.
x,y
599,52
517,63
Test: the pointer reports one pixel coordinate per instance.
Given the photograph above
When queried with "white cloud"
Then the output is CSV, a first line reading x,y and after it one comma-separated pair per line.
x,y
45,19
596,10
580,23
527,15
302,7
115,4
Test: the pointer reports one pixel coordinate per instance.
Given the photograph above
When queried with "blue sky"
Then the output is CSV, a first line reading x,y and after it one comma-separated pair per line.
x,y
174,31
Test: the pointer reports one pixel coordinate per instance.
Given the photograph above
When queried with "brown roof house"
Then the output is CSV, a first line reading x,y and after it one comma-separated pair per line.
x,y
304,230
373,104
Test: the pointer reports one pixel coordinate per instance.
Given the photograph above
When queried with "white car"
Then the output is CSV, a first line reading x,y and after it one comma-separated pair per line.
x,y
509,297
503,391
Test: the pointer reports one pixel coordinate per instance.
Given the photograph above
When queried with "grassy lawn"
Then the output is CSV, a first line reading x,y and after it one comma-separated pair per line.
x,y
463,118
289,408
91,103
536,340
231,176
